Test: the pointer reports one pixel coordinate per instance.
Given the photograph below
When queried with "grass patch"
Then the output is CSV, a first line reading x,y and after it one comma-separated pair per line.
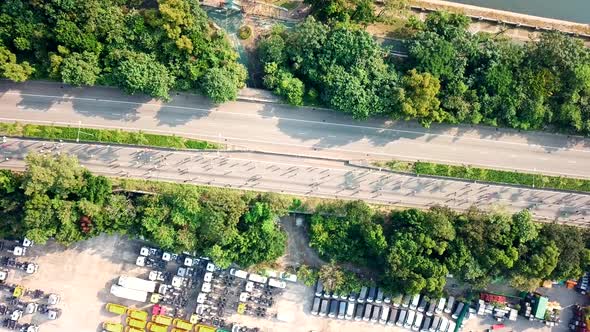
x,y
489,175
287,4
104,136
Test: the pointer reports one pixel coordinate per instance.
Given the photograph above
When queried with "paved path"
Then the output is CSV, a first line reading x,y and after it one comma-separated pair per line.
x,y
304,176
298,131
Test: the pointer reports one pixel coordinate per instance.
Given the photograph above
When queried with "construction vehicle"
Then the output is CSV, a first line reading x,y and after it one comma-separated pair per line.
x,y
137,314
18,291
112,327
162,320
138,324
153,327
182,324
130,294
137,284
116,309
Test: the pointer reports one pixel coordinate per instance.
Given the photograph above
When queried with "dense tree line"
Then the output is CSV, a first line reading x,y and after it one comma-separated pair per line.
x,y
140,46
55,194
414,251
450,75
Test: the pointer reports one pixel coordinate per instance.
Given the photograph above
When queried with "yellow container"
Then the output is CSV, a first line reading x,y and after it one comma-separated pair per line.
x,y
137,314
162,320
153,327
116,308
112,327
139,324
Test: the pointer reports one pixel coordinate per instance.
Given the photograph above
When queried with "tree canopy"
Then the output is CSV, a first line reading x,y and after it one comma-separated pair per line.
x,y
413,251
146,47
450,75
58,198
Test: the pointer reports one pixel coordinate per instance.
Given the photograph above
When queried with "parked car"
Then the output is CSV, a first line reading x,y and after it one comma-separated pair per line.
x,y
450,304
387,298
324,307
367,314
384,315
415,302
358,314
341,309
353,296
440,305
406,299
426,324
422,304
435,324
402,317
396,301
431,307
458,310
315,307
363,295
375,314
418,321
379,297
349,311
444,325
319,288
333,309
410,319
372,294
393,317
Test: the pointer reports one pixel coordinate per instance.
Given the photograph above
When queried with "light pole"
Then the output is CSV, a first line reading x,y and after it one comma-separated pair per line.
x,y
79,127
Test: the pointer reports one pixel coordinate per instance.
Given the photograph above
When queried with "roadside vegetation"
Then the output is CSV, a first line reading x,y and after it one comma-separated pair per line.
x,y
412,251
57,198
488,175
148,47
409,250
103,136
450,75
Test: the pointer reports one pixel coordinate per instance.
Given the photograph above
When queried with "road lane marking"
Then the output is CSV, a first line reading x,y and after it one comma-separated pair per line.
x,y
421,133
215,137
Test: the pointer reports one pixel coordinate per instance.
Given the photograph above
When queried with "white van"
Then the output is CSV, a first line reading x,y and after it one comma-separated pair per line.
x,y
415,302
418,321
440,306
444,325
349,311
410,319
384,315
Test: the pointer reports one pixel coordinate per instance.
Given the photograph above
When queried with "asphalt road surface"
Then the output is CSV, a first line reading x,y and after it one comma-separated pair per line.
x,y
303,176
296,131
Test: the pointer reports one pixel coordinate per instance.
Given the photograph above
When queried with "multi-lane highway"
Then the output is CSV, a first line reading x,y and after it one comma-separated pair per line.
x,y
303,176
296,131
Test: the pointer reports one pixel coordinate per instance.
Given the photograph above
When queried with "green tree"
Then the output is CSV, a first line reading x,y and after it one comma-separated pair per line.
x,y
10,69
140,72
80,68
418,98
218,85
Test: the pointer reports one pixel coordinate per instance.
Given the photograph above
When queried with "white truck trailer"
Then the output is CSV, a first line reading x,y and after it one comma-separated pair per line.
x,y
138,284
130,294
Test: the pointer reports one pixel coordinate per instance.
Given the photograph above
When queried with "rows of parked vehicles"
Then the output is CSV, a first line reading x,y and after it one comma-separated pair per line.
x,y
414,312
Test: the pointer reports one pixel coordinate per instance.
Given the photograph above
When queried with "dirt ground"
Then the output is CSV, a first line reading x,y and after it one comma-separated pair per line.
x,y
82,276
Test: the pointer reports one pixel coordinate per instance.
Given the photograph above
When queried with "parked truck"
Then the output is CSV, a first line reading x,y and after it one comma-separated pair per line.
x,y
138,284
128,293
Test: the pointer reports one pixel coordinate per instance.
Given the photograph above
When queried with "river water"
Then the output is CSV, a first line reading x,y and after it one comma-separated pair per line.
x,y
568,10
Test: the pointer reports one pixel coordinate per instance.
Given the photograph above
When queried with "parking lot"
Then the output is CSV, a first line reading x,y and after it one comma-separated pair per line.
x,y
83,274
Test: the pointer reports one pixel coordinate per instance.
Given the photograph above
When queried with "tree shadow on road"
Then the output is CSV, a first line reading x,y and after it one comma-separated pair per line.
x,y
183,108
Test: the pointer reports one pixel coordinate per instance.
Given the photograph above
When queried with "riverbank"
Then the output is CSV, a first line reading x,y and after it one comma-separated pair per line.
x,y
486,16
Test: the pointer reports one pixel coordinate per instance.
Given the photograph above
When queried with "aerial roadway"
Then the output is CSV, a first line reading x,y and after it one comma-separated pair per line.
x,y
294,131
304,177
